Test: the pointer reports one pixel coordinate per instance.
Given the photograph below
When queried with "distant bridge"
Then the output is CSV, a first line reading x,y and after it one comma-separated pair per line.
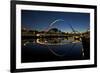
x,y
74,35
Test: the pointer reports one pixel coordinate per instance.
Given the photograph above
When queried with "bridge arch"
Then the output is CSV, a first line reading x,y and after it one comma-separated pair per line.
x,y
51,24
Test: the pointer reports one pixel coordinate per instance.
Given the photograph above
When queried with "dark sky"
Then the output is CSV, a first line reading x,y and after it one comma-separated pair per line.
x,y
41,20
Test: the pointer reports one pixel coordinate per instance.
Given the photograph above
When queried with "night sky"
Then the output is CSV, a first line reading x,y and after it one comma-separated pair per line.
x,y
41,20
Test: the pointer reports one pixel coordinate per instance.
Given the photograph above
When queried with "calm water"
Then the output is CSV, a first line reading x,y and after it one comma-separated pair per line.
x,y
51,49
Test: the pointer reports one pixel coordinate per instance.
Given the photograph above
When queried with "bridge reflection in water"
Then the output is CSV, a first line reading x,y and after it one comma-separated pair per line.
x,y
52,49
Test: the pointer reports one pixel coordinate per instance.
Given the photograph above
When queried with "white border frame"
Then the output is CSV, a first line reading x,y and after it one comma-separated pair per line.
x,y
20,65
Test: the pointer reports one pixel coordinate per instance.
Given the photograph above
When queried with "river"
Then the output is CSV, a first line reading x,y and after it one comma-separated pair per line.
x,y
51,49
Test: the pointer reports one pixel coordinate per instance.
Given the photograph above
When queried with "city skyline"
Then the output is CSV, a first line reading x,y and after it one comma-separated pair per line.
x,y
41,20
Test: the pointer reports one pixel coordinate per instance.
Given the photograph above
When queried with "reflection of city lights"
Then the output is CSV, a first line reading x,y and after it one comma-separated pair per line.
x,y
26,43
83,53
82,49
45,41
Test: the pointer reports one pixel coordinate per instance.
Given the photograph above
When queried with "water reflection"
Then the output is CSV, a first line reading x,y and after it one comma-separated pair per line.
x,y
57,46
52,41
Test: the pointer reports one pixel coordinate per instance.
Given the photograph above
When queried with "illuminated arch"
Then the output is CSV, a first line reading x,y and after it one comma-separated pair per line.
x,y
50,25
57,20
